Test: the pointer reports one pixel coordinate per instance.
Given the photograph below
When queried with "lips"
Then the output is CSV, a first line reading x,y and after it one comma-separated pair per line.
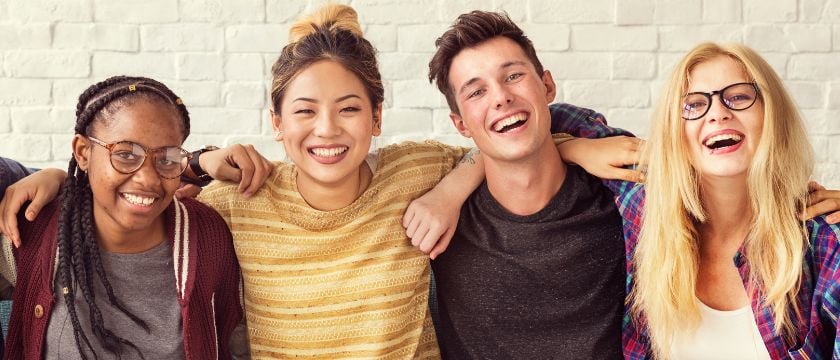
x,y
723,141
328,154
510,122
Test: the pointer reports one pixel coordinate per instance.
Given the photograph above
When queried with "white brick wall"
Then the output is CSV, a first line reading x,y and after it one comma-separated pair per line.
x,y
610,55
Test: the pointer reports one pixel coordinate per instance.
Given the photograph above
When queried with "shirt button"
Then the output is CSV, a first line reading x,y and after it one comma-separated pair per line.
x,y
39,311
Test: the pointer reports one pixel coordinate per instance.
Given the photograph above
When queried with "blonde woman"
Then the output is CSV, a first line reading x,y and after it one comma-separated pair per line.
x,y
720,265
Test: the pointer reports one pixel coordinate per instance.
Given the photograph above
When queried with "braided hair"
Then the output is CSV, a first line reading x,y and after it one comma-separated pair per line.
x,y
78,250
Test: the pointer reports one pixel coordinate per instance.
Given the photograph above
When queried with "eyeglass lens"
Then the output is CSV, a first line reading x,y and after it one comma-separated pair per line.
x,y
127,157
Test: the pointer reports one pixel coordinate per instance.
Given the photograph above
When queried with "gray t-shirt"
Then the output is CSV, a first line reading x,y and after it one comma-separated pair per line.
x,y
543,286
144,283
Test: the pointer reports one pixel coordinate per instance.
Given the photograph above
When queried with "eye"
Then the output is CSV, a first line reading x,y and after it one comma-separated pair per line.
x,y
124,155
513,77
303,111
350,109
473,94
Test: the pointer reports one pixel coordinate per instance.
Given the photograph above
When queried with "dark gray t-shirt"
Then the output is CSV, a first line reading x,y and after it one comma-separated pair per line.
x,y
145,285
544,286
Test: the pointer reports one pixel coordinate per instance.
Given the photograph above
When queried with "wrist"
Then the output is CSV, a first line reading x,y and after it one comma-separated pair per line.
x,y
201,177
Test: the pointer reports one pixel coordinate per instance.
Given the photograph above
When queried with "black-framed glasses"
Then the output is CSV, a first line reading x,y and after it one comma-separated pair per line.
x,y
127,157
739,96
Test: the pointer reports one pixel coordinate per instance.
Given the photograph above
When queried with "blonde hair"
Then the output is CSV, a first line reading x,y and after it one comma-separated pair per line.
x,y
330,33
666,259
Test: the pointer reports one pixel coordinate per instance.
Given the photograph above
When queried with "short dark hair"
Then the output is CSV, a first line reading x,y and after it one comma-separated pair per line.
x,y
470,30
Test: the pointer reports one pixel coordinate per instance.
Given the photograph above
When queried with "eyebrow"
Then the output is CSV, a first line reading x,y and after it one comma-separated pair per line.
x,y
340,99
504,66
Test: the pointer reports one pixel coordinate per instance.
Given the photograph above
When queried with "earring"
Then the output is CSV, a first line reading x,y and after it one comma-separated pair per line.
x,y
278,134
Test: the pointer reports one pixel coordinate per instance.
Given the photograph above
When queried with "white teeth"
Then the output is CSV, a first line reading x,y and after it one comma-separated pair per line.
x,y
329,152
139,200
499,125
716,138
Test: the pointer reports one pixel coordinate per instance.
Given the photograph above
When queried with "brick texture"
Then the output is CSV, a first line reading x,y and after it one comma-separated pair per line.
x,y
610,55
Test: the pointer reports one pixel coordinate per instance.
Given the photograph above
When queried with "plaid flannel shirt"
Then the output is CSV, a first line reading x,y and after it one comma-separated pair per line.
x,y
818,300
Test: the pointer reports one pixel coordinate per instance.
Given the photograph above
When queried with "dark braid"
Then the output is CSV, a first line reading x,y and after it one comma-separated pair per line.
x,y
79,261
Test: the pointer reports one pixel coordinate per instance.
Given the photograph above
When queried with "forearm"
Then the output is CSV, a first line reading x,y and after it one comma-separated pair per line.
x,y
464,178
581,122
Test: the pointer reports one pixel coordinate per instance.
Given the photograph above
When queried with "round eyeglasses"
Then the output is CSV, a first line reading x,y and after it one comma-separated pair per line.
x,y
127,157
736,97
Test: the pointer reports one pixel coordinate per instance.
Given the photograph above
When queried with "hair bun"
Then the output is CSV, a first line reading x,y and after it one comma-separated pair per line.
x,y
332,17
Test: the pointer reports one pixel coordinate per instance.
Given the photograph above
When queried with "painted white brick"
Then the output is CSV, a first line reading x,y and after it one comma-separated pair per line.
x,y
820,146
5,120
639,12
403,66
836,37
406,121
807,94
811,11
233,121
834,95
514,8
28,36
617,38
681,12
160,66
778,61
832,122
43,120
279,11
636,121
136,12
199,67
256,38
828,174
222,10
448,10
244,67
66,91
4,11
24,92
791,38
419,38
47,63
50,10
244,95
96,37
197,141
681,39
62,150
181,37
601,95
548,37
813,67
641,66
197,93
577,65
416,94
26,147
814,121
572,11
721,11
382,37
396,11
762,11
831,12
441,122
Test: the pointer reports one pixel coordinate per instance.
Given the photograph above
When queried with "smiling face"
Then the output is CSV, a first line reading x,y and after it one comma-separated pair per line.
x,y
723,142
327,123
127,203
503,101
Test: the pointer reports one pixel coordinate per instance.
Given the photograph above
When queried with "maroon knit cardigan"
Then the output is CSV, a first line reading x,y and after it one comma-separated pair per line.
x,y
207,277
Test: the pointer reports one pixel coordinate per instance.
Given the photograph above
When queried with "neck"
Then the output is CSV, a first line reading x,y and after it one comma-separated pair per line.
x,y
128,242
728,211
524,187
336,195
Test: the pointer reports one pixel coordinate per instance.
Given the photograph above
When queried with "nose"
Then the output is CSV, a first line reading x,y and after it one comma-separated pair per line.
x,y
717,111
326,125
147,175
502,97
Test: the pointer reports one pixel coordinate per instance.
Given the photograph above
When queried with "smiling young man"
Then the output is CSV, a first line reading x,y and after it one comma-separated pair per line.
x,y
536,267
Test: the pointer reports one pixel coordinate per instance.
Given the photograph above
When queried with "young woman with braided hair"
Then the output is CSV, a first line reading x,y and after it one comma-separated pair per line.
x,y
98,261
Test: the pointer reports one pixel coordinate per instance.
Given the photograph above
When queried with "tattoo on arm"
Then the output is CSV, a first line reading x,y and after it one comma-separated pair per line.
x,y
469,158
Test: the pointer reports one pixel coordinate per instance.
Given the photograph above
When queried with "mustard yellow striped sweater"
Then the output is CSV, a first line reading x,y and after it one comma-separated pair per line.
x,y
337,284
